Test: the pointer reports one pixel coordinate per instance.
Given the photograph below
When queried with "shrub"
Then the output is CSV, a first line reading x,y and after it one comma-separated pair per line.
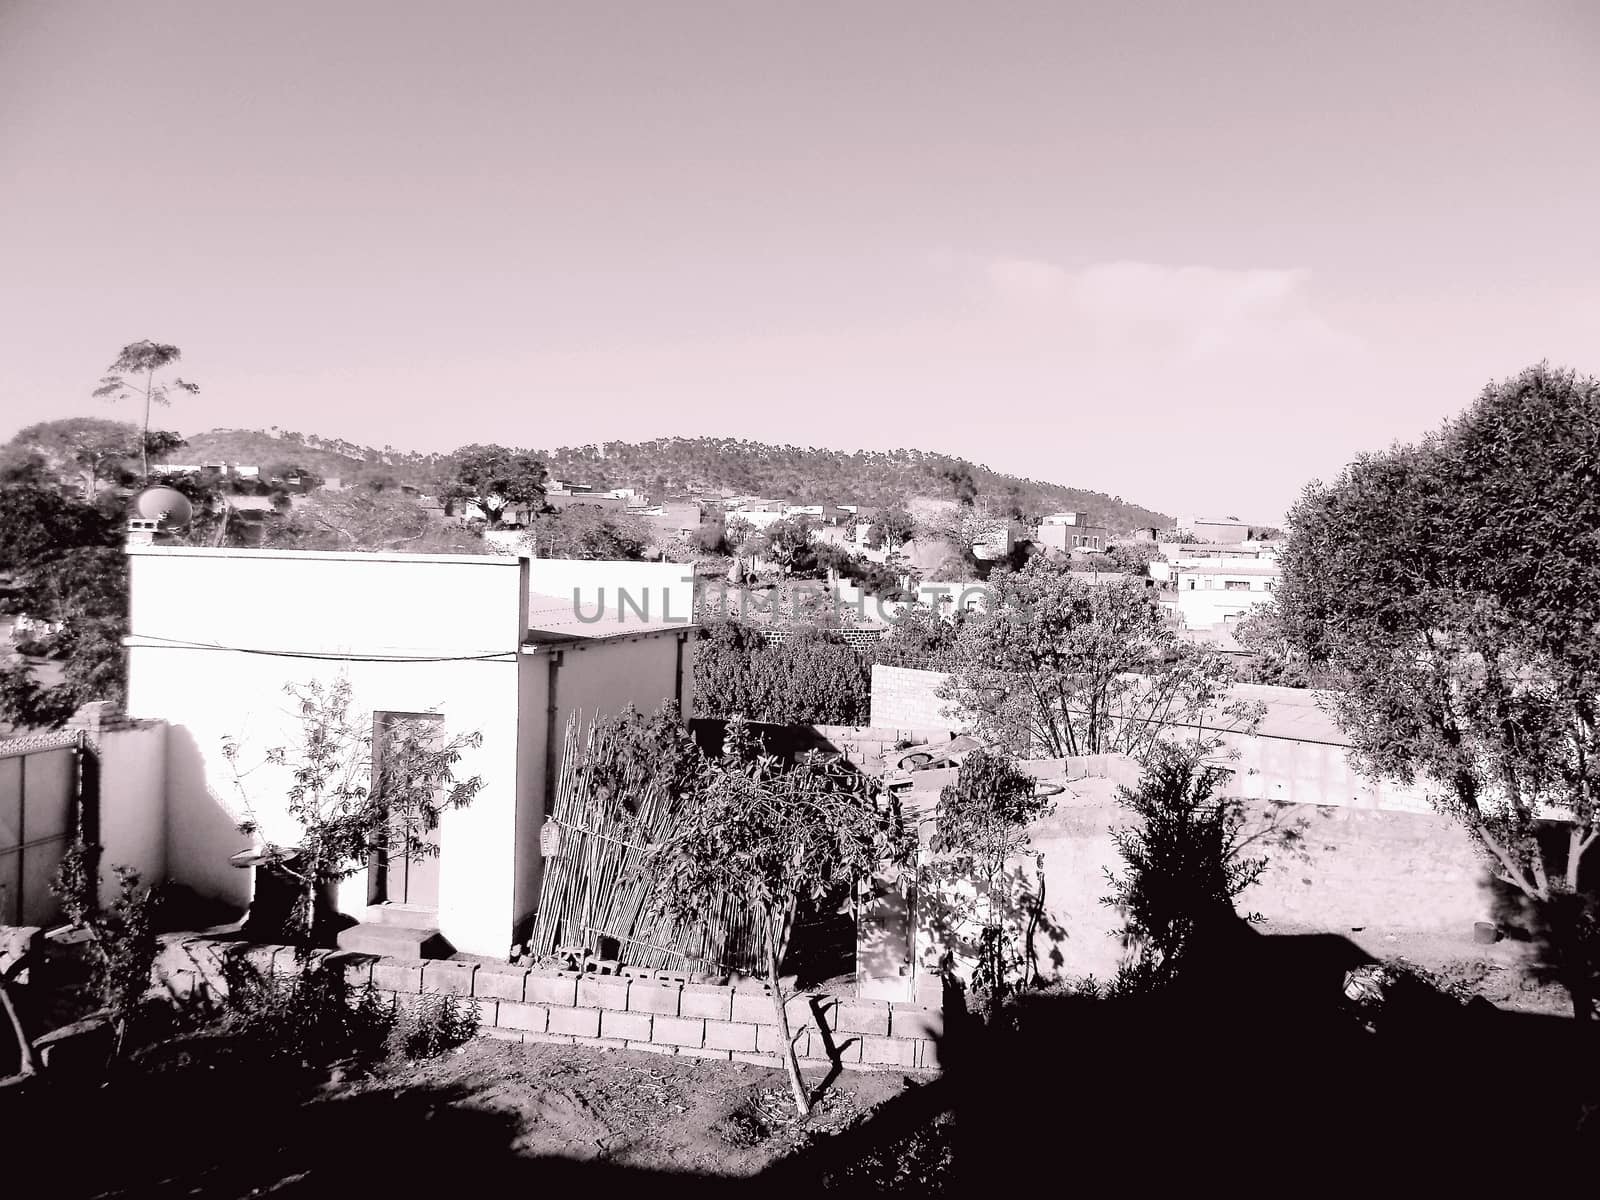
x,y
311,1017
438,1023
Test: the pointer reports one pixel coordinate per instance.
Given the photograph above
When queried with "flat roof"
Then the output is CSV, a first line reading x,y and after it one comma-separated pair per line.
x,y
1226,569
491,560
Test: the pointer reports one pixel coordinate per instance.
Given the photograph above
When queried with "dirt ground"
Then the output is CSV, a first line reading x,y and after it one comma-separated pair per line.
x,y
632,1108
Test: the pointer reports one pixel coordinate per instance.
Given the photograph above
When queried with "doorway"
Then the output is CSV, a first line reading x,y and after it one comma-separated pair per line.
x,y
408,875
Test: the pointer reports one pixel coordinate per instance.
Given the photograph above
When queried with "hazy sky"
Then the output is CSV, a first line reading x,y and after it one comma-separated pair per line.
x,y
1192,254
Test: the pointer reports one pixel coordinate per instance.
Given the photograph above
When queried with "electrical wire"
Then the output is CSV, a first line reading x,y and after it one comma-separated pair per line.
x,y
331,656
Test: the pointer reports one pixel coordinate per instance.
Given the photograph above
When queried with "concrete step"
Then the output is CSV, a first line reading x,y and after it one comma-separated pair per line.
x,y
406,916
396,940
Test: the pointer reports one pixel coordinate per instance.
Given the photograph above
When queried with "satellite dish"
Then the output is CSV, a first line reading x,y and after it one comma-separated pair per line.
x,y
167,505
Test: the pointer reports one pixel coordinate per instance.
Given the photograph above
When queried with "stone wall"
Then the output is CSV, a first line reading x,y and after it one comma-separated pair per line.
x,y
638,1010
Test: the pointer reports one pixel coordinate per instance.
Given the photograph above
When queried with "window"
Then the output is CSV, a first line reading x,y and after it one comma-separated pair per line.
x,y
1191,584
1237,585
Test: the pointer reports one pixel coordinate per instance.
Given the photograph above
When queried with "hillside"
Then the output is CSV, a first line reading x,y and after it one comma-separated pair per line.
x,y
673,467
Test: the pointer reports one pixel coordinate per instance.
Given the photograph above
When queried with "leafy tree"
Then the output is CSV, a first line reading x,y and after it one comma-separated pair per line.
x,y
811,678
980,826
920,638
963,487
790,547
344,810
892,528
1275,659
1185,866
38,523
496,479
773,836
589,532
1132,558
92,445
1454,588
122,381
1059,667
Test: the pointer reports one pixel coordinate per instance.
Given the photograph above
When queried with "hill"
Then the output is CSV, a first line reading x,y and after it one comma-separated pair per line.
x,y
668,468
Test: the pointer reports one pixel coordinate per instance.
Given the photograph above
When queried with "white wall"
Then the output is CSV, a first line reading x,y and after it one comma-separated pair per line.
x,y
133,803
658,591
260,606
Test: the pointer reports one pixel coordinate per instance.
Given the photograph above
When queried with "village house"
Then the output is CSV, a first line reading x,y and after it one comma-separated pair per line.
x,y
1065,532
500,646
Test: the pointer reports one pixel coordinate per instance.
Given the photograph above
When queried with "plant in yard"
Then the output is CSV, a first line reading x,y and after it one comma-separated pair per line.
x,y
1185,866
311,1016
981,825
436,1024
354,790
772,835
122,941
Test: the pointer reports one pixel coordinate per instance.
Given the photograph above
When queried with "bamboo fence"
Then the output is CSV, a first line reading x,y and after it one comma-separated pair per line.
x,y
598,884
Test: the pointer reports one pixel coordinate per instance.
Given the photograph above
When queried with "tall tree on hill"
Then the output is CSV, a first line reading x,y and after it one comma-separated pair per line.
x,y
1453,586
494,478
123,381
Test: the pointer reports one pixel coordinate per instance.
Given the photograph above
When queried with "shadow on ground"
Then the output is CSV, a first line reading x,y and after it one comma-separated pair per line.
x,y
1253,1078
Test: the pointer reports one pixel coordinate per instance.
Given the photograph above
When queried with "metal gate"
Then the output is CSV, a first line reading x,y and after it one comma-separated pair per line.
x,y
41,784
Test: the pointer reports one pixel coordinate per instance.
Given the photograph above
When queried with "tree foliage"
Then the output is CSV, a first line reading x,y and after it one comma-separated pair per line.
x,y
1059,667
589,532
498,480
1454,587
89,448
811,678
132,376
892,528
774,835
1184,865
362,519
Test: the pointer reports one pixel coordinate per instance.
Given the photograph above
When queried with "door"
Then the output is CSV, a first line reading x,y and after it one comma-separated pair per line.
x,y
407,874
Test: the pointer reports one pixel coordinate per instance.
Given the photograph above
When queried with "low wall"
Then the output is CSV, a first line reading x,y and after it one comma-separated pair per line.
x,y
903,698
654,1011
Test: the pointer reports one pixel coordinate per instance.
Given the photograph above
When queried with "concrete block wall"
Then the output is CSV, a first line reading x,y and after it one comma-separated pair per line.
x,y
652,1011
904,698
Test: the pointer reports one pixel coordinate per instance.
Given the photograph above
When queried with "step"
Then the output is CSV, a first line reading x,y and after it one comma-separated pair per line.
x,y
395,941
407,916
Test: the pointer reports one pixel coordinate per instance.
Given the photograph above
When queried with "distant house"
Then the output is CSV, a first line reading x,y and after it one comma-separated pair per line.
x,y
1223,530
1216,595
496,645
1065,532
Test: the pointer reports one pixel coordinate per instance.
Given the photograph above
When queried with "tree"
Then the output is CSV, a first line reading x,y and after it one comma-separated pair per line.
x,y
772,836
980,825
1185,866
1132,558
963,487
1275,659
358,519
122,381
1454,587
810,678
38,523
93,445
344,810
1059,667
893,528
588,532
496,479
789,546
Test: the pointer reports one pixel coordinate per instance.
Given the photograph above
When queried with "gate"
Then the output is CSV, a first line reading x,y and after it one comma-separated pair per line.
x,y
41,787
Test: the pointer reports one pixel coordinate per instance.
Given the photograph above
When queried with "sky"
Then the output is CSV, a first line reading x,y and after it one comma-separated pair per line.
x,y
1195,255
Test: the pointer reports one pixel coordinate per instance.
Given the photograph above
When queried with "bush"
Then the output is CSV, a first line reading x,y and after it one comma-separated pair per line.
x,y
438,1023
810,679
312,1017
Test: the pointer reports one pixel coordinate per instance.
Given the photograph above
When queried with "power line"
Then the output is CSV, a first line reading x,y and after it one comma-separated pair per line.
x,y
332,656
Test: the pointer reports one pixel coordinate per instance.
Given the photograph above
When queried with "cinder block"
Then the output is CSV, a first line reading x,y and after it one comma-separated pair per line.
x,y
679,1031
861,1016
448,978
555,1039
578,1022
889,1051
759,1060
653,1047
531,1018
486,1011
603,991
502,981
357,967
703,1000
754,1007
651,996
928,1055
703,1052
769,1040
728,1035
634,1027
501,1035
914,1021
551,987
601,1043
398,974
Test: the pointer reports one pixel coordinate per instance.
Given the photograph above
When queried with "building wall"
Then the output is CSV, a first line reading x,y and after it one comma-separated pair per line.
x,y
1066,538
263,613
660,591
1205,599
1222,532
133,802
903,698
